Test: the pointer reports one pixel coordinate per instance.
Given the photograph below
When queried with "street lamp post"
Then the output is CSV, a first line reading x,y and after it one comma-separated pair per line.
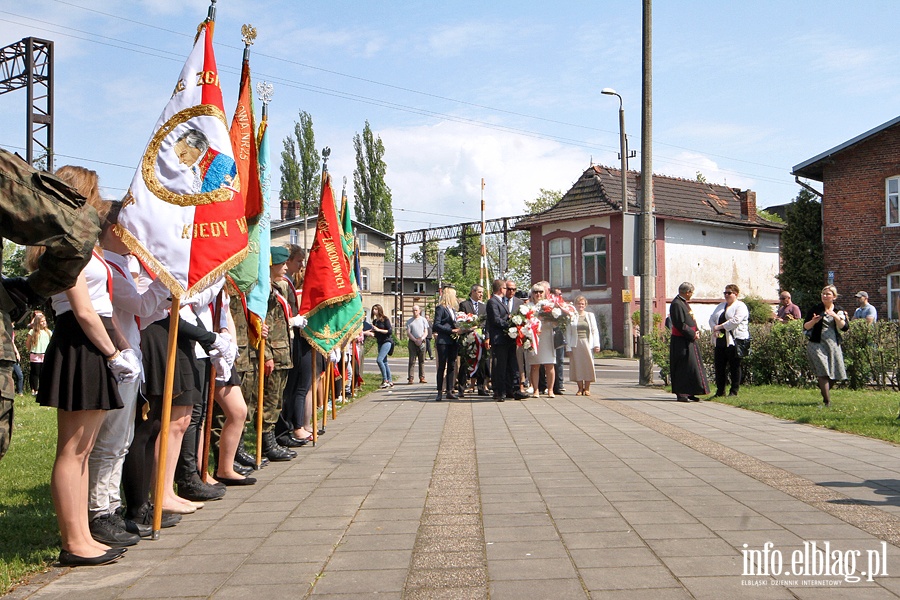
x,y
626,282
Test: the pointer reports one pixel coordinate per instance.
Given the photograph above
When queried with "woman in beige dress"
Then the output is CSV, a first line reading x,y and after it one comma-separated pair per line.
x,y
584,339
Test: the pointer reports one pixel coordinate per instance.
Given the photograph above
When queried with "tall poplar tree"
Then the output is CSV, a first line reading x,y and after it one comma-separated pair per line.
x,y
802,255
300,176
371,195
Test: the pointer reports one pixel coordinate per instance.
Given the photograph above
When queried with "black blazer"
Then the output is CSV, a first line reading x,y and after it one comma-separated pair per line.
x,y
497,322
444,324
468,306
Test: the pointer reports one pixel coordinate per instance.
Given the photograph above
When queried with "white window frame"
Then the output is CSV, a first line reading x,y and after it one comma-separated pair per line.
x,y
294,236
363,240
892,200
364,279
560,262
893,294
596,254
418,287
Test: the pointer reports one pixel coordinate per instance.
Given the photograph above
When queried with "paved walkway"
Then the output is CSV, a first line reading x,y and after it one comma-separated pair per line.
x,y
625,494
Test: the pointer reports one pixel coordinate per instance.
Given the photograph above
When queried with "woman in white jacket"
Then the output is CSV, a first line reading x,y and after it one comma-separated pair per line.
x,y
731,334
584,339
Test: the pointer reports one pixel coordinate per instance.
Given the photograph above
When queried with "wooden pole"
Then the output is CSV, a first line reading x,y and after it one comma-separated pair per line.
x,y
211,398
354,366
315,393
333,392
159,487
260,390
324,377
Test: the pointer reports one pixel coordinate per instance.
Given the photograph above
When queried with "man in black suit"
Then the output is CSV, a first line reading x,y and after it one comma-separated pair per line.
x,y
502,346
474,305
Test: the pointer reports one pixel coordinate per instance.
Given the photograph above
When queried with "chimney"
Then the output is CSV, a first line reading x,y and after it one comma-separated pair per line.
x,y
748,204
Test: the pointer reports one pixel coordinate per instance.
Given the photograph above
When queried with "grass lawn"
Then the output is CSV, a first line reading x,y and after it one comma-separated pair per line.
x,y
864,412
29,537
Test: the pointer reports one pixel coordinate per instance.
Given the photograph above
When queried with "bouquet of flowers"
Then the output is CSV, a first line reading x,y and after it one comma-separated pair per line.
x,y
555,310
468,321
525,327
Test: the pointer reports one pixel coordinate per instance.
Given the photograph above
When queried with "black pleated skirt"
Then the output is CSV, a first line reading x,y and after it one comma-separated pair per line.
x,y
187,385
75,375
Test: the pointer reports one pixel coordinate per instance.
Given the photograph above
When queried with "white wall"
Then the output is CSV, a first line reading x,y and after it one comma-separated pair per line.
x,y
711,257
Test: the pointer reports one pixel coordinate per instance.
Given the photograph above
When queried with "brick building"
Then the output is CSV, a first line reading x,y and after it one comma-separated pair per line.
x,y
706,233
861,215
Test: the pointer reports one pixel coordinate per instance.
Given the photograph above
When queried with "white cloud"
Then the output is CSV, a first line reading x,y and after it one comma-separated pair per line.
x,y
438,169
687,164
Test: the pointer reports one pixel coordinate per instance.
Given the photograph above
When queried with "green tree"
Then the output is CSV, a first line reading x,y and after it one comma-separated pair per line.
x,y
429,250
371,195
300,170
13,257
518,255
802,256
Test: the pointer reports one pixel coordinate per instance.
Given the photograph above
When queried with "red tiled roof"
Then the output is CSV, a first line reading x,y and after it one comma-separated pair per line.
x,y
598,193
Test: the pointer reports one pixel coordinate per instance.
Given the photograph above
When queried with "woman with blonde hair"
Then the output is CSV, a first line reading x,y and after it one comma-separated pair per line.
x,y
447,349
583,337
546,353
81,369
36,344
823,325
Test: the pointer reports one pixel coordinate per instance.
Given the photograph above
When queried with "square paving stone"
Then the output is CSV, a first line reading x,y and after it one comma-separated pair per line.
x,y
558,589
528,549
531,568
627,578
384,581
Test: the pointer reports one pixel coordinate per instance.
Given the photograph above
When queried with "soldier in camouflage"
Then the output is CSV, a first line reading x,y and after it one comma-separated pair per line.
x,y
278,363
37,209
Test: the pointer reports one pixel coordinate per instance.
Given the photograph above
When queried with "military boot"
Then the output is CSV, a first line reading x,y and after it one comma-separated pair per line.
x,y
273,451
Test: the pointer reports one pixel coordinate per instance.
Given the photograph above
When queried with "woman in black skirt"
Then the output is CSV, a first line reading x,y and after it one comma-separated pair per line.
x,y
81,367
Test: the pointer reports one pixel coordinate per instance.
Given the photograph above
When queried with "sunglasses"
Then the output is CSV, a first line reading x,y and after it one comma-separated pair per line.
x,y
728,293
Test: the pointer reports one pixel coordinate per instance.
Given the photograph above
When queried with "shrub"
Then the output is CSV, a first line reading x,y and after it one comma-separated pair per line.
x,y
760,310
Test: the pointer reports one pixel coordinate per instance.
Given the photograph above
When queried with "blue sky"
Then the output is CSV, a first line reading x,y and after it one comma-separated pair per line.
x,y
460,90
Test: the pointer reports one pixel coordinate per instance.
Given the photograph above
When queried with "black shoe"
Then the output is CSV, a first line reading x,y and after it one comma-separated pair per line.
x,y
520,396
733,394
128,525
501,399
720,394
105,531
196,490
67,559
693,398
682,398
273,451
452,396
287,440
439,397
144,518
482,392
241,469
245,458
245,481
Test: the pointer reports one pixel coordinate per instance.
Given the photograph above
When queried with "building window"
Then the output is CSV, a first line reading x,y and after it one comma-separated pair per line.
x,y
894,296
418,287
593,256
364,279
892,200
561,263
295,236
363,241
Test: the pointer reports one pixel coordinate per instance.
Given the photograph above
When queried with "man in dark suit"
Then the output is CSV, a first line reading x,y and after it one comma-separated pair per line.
x,y
474,305
502,346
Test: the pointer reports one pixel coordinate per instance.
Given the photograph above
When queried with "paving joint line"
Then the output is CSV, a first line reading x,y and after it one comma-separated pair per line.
x,y
872,520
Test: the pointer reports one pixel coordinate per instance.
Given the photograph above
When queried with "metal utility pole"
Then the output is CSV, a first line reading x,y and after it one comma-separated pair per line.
x,y
626,276
648,224
29,64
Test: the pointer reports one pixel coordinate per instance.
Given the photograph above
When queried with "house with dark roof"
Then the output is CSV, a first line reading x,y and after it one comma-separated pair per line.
x,y
706,233
861,215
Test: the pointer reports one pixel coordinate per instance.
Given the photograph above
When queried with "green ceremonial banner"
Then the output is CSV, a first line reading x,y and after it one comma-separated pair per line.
x,y
330,300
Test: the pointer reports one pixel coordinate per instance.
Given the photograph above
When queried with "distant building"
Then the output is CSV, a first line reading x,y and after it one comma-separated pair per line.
x,y
861,215
372,245
706,233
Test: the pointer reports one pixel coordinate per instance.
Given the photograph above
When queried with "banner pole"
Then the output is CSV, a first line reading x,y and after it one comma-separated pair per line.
x,y
159,487
315,393
260,390
333,391
324,377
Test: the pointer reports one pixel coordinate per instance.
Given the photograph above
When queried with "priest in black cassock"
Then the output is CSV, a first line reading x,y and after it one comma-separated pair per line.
x,y
687,372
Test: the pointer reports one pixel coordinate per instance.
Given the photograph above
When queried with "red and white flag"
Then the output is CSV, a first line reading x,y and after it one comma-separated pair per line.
x,y
184,214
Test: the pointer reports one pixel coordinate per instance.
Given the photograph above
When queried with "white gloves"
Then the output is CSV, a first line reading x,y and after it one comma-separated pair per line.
x,y
335,355
126,367
226,347
298,321
223,369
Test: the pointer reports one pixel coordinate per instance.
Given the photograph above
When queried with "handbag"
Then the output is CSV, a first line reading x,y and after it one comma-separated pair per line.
x,y
742,347
391,349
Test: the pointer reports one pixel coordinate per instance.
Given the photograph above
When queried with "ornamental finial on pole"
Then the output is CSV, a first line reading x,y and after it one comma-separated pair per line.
x,y
326,152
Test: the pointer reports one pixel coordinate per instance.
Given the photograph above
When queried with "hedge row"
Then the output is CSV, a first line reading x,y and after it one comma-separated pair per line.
x,y
778,355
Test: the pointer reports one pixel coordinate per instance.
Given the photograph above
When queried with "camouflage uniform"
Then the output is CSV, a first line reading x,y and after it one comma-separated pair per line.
x,y
38,210
278,349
